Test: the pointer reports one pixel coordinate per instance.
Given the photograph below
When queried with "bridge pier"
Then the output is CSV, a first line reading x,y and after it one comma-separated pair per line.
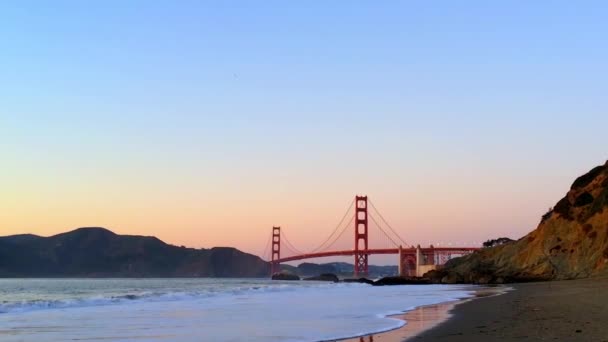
x,y
417,262
400,261
407,263
361,259
428,260
275,265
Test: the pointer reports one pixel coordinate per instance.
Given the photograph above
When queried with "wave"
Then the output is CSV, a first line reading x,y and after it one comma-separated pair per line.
x,y
156,296
217,310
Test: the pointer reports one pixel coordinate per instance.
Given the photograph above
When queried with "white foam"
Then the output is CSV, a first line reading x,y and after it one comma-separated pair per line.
x,y
167,295
259,312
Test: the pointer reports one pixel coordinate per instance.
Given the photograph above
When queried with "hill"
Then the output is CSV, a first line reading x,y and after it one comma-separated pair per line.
x,y
570,242
98,252
341,269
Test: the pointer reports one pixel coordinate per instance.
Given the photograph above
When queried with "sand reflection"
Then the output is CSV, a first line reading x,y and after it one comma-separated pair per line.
x,y
418,320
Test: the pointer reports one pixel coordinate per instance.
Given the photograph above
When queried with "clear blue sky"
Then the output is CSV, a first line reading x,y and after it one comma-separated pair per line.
x,y
465,120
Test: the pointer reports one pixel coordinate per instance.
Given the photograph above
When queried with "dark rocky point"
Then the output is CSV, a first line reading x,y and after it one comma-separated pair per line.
x,y
359,280
325,277
285,276
402,281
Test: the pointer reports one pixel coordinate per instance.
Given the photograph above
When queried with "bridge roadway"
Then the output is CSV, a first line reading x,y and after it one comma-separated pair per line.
x,y
409,250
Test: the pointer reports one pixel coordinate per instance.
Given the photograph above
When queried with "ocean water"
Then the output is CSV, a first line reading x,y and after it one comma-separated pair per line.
x,y
205,309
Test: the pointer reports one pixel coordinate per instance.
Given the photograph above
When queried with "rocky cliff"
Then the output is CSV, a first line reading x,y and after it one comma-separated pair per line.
x,y
98,252
570,242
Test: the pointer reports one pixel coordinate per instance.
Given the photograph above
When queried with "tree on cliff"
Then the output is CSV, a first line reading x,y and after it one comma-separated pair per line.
x,y
497,242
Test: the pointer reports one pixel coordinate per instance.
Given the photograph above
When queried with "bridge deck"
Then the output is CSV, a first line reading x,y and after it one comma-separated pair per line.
x,y
348,252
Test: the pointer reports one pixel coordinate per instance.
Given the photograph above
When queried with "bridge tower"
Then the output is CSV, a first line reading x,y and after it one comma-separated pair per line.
x,y
276,250
361,258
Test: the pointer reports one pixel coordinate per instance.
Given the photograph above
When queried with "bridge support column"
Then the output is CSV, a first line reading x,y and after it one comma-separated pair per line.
x,y
276,251
418,260
407,262
361,258
401,262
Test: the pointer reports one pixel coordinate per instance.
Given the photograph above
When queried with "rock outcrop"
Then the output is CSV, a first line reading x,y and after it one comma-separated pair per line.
x,y
285,276
398,280
570,242
359,280
325,277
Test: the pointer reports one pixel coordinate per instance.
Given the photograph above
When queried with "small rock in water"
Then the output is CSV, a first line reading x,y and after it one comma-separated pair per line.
x,y
285,276
402,281
325,277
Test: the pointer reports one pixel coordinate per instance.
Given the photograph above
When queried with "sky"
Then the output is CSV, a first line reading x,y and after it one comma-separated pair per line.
x,y
205,123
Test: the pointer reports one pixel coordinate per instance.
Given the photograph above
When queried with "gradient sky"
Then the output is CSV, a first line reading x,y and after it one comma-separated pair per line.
x,y
206,123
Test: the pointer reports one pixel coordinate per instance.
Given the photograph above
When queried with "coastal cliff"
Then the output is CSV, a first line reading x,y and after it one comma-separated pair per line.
x,y
98,252
570,242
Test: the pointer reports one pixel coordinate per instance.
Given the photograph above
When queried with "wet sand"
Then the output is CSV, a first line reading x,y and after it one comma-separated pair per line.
x,y
418,320
575,310
422,318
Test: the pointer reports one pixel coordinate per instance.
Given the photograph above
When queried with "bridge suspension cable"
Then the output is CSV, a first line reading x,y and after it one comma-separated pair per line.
x,y
337,232
323,245
264,256
289,245
383,231
387,224
344,230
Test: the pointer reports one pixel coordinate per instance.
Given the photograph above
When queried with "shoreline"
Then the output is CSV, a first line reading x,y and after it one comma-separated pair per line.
x,y
416,321
424,318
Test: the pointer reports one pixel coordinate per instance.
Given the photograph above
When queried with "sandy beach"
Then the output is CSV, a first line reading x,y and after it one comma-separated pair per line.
x,y
575,310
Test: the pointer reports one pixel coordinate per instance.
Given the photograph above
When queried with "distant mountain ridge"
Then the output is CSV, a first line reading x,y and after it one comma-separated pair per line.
x,y
98,252
342,269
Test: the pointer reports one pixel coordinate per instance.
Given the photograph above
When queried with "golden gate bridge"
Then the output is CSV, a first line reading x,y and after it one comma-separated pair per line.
x,y
368,224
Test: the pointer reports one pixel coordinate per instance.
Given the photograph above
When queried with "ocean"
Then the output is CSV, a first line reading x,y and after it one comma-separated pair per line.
x,y
205,309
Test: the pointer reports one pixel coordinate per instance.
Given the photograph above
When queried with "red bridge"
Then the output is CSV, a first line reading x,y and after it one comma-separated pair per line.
x,y
412,261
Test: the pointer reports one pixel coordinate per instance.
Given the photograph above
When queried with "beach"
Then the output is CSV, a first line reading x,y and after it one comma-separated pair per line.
x,y
573,310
